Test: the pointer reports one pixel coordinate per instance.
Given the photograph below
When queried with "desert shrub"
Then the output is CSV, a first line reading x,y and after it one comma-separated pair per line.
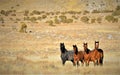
x,y
111,18
117,11
57,21
6,13
11,19
52,13
85,19
50,22
118,7
27,18
17,19
71,12
63,18
23,28
85,12
39,18
69,20
13,14
33,19
36,12
16,22
47,13
58,12
2,12
75,17
95,11
79,12
99,19
31,14
2,19
93,20
26,12
44,16
115,20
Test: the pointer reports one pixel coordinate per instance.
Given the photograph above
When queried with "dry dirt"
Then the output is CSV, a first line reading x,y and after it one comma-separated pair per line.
x,y
38,52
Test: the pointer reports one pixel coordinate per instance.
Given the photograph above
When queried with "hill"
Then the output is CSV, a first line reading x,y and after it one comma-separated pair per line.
x,y
56,5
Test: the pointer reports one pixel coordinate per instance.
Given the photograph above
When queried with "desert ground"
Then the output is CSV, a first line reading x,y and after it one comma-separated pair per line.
x,y
38,52
51,22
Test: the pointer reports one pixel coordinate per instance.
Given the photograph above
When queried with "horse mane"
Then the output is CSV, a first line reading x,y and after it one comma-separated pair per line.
x,y
100,50
87,50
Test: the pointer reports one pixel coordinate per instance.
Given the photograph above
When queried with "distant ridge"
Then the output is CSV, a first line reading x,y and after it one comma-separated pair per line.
x,y
59,5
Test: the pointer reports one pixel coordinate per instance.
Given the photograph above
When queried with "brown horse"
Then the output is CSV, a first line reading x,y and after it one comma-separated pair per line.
x,y
93,55
100,51
78,55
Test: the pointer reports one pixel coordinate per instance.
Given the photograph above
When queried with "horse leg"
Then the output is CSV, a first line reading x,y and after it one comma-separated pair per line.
x,y
78,63
95,62
86,62
82,62
63,62
73,62
98,61
101,61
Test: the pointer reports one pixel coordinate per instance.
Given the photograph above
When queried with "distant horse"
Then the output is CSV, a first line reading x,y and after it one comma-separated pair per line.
x,y
66,55
93,55
78,56
100,51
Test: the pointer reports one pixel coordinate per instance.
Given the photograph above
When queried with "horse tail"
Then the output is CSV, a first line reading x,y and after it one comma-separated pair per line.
x,y
101,59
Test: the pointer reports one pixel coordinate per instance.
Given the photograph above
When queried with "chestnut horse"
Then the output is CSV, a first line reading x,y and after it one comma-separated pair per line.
x,y
100,51
93,55
78,55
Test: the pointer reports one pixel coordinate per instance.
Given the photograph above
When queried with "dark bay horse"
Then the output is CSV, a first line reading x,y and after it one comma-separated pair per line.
x,y
93,55
66,55
100,51
78,55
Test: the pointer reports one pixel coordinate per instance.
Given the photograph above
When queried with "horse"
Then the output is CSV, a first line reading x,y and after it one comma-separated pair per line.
x,y
100,51
93,55
66,55
78,55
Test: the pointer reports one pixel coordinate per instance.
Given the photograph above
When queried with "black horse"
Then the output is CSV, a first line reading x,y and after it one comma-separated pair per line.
x,y
66,55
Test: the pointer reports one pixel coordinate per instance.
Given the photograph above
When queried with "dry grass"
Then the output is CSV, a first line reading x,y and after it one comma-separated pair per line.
x,y
38,52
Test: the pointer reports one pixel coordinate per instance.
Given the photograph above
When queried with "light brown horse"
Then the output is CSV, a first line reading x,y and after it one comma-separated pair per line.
x,y
93,55
78,55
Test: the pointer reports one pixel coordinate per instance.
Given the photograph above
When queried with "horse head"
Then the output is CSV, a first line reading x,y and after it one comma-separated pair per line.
x,y
96,44
85,46
75,49
62,47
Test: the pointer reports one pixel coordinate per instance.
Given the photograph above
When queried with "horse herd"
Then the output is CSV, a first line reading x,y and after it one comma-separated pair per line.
x,y
96,55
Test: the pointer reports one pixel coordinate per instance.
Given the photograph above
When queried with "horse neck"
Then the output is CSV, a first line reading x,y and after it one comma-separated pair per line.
x,y
63,50
86,50
76,50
